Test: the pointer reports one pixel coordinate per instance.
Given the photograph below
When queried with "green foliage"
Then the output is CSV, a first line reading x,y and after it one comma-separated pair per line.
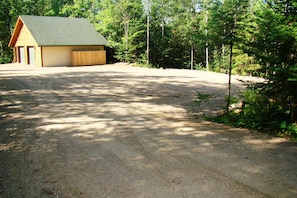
x,y
142,62
5,52
243,64
175,27
122,23
272,105
288,130
79,8
220,60
200,67
274,38
260,112
199,98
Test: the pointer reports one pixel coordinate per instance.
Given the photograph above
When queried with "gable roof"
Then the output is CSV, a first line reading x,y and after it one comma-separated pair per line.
x,y
58,31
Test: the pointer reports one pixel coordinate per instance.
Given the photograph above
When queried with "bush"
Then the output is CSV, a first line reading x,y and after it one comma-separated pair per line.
x,y
288,130
260,112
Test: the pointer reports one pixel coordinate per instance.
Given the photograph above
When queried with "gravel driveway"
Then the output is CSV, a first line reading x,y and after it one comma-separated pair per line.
x,y
123,131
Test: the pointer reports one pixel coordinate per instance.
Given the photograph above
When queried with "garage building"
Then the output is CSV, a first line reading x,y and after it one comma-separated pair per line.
x,y
57,41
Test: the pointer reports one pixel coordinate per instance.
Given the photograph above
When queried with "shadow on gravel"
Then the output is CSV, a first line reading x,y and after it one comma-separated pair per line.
x,y
120,134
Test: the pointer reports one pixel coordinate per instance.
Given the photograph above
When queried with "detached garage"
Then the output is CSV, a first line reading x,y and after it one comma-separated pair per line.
x,y
57,41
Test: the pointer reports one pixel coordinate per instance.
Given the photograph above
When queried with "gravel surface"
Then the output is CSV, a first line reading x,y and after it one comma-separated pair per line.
x,y
124,131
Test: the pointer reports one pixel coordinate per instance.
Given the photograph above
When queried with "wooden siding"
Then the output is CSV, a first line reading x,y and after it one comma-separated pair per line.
x,y
25,38
87,48
80,58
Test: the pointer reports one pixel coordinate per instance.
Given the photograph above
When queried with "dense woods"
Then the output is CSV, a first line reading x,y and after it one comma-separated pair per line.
x,y
246,37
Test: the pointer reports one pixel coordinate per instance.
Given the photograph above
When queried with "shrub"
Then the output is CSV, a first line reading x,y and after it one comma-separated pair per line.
x,y
261,112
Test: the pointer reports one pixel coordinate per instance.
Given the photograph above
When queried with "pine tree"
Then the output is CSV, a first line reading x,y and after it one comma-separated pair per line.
x,y
230,16
275,47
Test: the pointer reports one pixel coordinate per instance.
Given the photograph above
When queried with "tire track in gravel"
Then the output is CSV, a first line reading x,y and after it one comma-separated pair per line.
x,y
121,131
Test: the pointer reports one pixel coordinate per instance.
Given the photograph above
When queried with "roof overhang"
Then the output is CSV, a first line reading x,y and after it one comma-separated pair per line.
x,y
16,32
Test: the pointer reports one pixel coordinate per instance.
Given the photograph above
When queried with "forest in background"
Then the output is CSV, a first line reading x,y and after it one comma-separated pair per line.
x,y
245,37
191,34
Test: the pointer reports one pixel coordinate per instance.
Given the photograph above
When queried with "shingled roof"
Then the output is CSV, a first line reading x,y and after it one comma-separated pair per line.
x,y
60,31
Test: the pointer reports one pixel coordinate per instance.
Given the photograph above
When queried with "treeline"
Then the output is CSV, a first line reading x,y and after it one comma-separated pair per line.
x,y
183,34
247,37
192,34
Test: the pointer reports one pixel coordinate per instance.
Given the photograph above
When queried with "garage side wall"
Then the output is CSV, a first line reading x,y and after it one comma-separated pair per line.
x,y
61,55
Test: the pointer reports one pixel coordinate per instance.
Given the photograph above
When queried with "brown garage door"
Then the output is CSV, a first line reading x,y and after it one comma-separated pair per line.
x,y
80,58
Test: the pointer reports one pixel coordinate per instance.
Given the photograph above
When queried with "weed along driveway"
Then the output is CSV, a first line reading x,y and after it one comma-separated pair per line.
x,y
122,131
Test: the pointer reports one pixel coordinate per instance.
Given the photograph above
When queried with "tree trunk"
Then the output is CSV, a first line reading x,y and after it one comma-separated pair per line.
x,y
223,58
206,44
163,42
294,104
192,57
229,80
126,20
148,34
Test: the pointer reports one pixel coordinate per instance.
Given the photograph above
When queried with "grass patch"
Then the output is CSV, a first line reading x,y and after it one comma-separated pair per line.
x,y
199,98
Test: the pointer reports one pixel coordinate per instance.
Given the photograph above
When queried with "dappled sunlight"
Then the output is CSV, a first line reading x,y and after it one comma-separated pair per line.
x,y
133,130
203,134
264,143
262,146
269,142
7,147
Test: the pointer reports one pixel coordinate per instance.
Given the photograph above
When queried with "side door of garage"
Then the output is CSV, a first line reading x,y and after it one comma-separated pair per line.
x,y
22,55
31,56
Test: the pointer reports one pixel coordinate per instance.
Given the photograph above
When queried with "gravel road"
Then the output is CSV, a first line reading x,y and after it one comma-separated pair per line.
x,y
123,131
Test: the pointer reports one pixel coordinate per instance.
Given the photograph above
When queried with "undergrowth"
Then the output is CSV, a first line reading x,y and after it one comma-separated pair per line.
x,y
261,113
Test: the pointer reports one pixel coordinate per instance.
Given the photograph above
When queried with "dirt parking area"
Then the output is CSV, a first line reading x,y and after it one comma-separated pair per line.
x,y
123,131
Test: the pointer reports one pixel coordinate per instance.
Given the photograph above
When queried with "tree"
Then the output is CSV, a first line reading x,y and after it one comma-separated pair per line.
x,y
55,7
5,23
78,8
272,104
206,42
132,20
187,24
230,15
276,25
148,32
123,23
160,32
